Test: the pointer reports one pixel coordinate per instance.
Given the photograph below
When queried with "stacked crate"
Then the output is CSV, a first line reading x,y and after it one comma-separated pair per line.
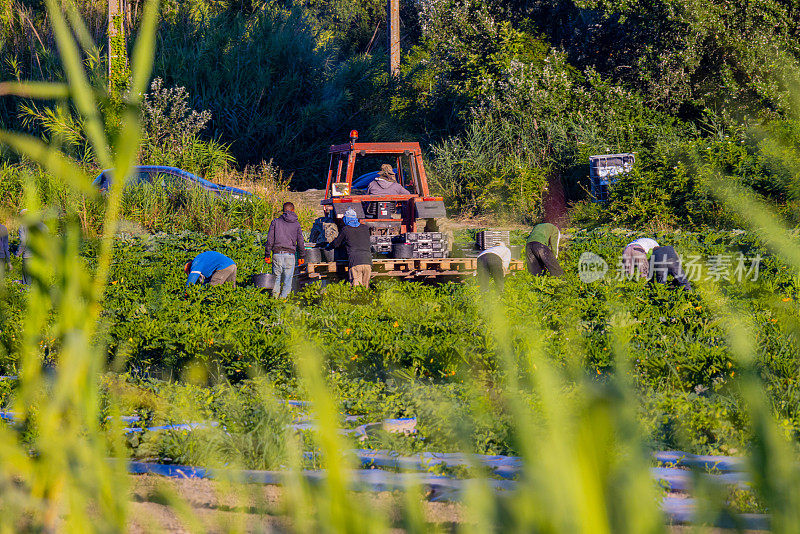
x,y
491,238
425,244
380,244
604,170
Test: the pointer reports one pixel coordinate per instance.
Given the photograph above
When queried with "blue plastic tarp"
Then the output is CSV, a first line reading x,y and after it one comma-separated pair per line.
x,y
363,181
685,459
146,173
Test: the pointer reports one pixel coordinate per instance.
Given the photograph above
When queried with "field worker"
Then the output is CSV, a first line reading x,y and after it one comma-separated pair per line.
x,y
541,252
355,237
636,255
665,262
386,183
212,268
493,265
324,229
5,252
23,251
284,240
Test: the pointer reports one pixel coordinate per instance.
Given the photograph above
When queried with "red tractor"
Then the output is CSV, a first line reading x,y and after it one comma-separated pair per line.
x,y
390,215
404,229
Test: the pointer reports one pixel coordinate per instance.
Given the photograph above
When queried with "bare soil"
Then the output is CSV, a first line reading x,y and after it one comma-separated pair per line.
x,y
187,505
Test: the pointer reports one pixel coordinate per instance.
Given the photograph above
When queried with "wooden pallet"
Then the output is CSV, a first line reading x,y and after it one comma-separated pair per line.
x,y
411,268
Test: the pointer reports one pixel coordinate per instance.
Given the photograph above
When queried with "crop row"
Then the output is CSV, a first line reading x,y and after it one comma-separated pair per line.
x,y
399,332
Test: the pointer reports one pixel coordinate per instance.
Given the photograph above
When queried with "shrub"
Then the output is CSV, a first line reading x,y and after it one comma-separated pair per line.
x,y
171,133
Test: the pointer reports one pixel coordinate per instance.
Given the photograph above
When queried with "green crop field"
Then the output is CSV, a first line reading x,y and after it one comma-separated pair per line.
x,y
388,348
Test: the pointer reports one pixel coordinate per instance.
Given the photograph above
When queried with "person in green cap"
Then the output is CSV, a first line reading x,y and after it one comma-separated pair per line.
x,y
541,252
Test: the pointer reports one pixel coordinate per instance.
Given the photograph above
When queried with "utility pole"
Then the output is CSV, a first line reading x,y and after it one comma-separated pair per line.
x,y
393,27
117,52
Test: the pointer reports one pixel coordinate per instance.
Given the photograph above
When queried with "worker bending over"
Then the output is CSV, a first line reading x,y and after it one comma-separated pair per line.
x,y
211,268
355,238
386,183
541,252
284,239
636,257
665,263
493,265
5,252
24,251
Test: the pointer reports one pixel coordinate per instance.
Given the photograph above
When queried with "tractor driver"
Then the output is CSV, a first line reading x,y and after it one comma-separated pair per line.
x,y
386,183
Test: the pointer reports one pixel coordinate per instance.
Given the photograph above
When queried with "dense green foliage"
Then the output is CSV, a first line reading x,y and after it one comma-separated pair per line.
x,y
507,97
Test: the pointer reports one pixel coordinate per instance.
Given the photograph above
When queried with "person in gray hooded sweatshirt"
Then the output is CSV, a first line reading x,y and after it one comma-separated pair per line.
x,y
386,183
285,237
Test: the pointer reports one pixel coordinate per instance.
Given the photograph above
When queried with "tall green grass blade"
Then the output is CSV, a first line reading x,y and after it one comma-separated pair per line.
x,y
54,161
336,511
773,464
128,142
759,216
39,90
81,30
81,91
144,50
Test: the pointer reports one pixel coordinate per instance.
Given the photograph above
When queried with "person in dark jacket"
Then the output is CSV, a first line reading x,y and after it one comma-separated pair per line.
x,y
665,262
355,237
212,268
5,252
386,183
324,229
23,251
541,252
284,239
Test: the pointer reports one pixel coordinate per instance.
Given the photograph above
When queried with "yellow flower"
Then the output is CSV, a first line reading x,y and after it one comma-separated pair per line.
x,y
347,331
354,358
698,308
787,299
396,324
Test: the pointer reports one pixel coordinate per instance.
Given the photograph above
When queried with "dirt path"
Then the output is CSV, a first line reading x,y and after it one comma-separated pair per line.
x,y
555,203
308,199
209,506
162,504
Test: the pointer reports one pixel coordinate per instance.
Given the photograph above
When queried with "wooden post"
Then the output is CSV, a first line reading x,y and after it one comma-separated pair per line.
x,y
393,27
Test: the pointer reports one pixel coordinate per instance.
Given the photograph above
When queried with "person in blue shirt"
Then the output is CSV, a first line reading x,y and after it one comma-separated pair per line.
x,y
210,268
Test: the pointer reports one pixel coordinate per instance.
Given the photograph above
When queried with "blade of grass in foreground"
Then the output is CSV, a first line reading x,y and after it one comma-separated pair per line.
x,y
59,454
773,465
